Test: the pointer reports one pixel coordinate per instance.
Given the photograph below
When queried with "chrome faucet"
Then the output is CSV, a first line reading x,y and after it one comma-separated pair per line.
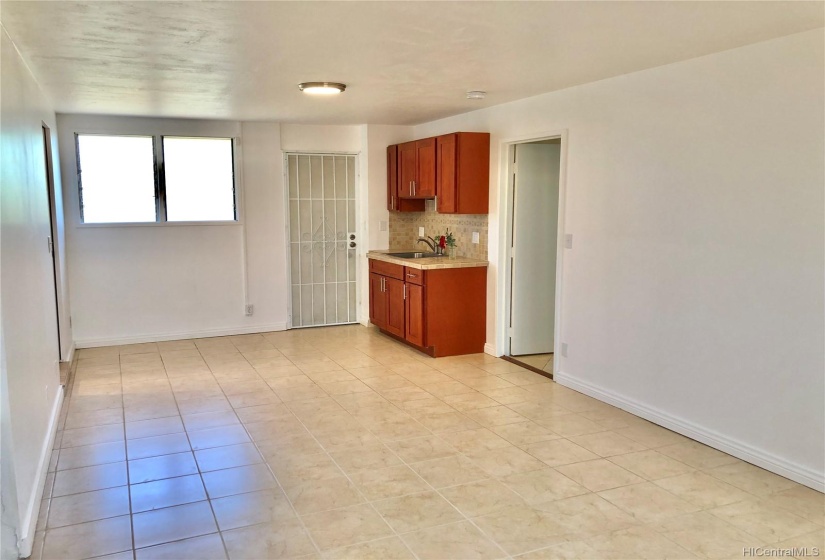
x,y
430,243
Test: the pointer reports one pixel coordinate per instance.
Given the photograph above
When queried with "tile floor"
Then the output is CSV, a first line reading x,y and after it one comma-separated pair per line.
x,y
341,443
540,361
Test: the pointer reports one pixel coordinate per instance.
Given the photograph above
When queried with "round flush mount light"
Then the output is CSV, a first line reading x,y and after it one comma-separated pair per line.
x,y
322,88
476,94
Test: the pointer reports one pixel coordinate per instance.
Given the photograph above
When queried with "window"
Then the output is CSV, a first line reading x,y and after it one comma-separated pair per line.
x,y
155,179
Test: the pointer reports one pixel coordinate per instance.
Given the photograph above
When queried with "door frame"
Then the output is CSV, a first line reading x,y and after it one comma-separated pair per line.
x,y
359,234
46,134
505,219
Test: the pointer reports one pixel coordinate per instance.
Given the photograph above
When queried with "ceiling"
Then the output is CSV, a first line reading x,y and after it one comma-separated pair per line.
x,y
404,62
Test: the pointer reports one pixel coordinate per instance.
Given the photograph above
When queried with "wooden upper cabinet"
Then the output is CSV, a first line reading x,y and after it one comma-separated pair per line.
x,y
463,173
424,185
407,169
395,202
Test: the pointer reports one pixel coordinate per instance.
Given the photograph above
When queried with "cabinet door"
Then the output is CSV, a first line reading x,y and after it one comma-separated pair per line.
x,y
415,314
395,306
378,301
446,187
392,177
407,167
425,177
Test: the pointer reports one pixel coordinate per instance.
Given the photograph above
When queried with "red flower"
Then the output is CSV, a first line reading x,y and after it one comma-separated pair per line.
x,y
442,241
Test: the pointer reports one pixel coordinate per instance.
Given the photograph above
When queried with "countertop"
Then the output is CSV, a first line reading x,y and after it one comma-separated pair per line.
x,y
430,263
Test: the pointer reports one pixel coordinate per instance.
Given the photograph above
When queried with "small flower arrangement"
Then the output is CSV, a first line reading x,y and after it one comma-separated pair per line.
x,y
448,240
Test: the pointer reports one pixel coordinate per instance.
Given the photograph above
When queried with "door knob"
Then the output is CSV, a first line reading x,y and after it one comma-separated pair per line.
x,y
352,236
352,243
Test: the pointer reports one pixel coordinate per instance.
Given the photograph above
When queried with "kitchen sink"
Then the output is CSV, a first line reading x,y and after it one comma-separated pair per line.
x,y
414,255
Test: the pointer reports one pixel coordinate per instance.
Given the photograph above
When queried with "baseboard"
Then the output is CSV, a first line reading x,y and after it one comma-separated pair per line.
x,y
491,349
70,358
96,342
742,450
33,509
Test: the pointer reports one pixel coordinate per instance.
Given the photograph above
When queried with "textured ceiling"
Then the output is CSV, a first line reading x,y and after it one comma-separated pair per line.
x,y
404,62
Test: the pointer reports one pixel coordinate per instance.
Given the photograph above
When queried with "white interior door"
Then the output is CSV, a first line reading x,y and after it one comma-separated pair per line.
x,y
535,231
322,240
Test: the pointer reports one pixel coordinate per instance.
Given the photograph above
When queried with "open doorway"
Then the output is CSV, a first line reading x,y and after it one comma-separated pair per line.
x,y
533,239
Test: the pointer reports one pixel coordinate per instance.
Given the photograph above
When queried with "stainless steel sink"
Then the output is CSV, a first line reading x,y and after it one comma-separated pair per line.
x,y
414,255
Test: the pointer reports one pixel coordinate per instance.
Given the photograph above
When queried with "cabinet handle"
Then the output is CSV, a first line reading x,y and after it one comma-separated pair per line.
x,y
410,185
383,284
412,275
413,188
405,291
392,202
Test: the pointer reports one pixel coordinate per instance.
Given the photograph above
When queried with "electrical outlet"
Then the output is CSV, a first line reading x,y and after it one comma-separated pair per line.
x,y
564,349
475,237
420,231
249,309
382,225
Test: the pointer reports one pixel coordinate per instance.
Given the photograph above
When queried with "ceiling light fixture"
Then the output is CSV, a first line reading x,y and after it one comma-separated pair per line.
x,y
476,94
322,88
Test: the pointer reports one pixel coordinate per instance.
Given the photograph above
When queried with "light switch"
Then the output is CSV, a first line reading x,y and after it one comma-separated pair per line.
x,y
382,225
475,237
421,231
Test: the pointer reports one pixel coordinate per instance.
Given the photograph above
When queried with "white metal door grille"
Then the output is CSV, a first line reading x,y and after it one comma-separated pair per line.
x,y
321,227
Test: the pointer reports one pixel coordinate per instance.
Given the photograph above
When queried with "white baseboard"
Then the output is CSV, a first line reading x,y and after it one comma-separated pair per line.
x,y
70,357
742,450
29,518
116,341
490,349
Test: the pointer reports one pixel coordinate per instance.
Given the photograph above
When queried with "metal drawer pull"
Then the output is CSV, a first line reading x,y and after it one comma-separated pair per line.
x,y
412,275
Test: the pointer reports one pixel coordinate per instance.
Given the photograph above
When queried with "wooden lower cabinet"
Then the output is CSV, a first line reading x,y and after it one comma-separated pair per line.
x,y
441,312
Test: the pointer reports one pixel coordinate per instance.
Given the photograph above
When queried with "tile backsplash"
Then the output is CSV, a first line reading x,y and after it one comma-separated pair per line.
x,y
404,230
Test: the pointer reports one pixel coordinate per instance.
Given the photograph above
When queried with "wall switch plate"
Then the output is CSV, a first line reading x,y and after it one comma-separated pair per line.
x,y
420,231
564,349
382,225
568,240
475,237
249,309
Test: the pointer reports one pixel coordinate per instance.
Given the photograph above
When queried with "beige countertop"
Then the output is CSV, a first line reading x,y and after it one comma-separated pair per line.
x,y
431,263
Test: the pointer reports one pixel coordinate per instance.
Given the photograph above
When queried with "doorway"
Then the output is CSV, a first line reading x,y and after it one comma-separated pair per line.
x,y
322,239
533,241
52,239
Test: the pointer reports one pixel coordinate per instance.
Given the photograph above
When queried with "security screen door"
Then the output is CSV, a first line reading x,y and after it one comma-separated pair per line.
x,y
322,239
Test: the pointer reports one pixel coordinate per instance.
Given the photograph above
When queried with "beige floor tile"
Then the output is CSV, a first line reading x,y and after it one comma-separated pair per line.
x,y
342,527
422,449
173,523
473,441
559,452
253,508
569,425
205,420
266,430
763,521
88,506
218,437
389,482
647,502
480,498
752,479
447,422
458,540
88,418
264,413
92,435
586,516
293,468
543,486
238,480
154,427
703,490
651,465
569,550
195,406
163,466
447,388
599,475
207,547
85,540
157,445
520,529
524,433
806,543
321,495
89,455
286,539
449,471
470,401
87,479
417,511
227,457
706,536
607,444
505,461
391,548
371,456
495,416
398,429
167,492
801,501
640,543
697,455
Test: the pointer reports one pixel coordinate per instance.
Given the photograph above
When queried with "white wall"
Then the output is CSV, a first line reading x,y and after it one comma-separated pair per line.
x,y
694,290
154,282
321,138
28,333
